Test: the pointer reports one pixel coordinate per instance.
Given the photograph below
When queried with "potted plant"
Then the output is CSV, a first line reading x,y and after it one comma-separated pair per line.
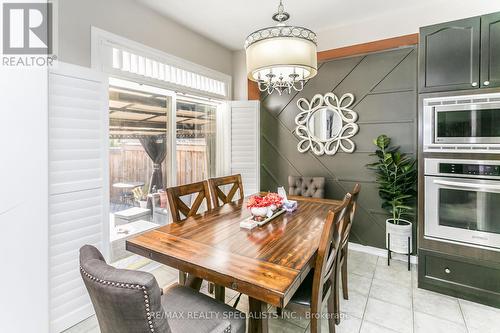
x,y
396,178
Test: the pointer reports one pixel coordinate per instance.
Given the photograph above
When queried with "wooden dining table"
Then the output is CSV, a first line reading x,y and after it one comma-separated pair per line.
x,y
267,263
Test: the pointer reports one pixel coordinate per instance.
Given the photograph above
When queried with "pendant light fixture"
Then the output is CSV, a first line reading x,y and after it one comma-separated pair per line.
x,y
282,57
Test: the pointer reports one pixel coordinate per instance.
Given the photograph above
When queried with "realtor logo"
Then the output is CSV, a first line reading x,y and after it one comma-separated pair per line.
x,y
27,28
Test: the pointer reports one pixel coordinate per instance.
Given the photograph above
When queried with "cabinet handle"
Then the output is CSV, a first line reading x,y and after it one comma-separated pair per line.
x,y
447,270
474,84
486,83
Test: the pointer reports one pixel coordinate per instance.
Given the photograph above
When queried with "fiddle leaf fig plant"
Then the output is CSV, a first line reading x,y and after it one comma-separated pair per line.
x,y
396,175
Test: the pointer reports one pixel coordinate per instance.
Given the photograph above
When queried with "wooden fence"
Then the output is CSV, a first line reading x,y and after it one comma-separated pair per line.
x,y
129,163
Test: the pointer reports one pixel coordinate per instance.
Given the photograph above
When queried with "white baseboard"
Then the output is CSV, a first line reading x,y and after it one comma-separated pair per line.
x,y
381,252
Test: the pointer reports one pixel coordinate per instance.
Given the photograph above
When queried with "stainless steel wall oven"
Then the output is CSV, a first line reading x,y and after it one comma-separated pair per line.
x,y
462,201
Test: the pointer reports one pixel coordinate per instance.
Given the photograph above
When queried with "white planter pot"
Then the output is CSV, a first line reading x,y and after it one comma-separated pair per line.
x,y
399,236
259,211
143,204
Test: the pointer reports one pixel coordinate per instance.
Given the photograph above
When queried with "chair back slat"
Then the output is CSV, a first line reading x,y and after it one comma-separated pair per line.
x,y
178,206
329,245
220,198
351,211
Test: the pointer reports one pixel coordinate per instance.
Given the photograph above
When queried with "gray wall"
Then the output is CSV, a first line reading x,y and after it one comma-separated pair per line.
x,y
384,86
135,21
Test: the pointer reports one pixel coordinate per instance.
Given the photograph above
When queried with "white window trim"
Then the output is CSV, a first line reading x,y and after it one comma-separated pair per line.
x,y
100,38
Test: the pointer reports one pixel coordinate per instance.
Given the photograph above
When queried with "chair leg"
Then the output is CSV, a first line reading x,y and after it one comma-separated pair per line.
x,y
315,326
332,313
336,291
345,290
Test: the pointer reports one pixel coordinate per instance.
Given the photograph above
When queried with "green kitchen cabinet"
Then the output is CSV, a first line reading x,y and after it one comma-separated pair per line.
x,y
449,55
490,50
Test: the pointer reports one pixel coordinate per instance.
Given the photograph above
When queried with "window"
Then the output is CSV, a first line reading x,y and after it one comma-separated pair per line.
x,y
136,64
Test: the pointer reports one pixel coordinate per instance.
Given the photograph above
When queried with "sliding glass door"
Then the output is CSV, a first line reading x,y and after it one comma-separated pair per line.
x,y
157,138
195,139
139,159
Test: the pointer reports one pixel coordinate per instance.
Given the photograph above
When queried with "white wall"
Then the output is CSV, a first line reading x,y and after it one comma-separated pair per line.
x,y
240,86
402,22
137,22
23,199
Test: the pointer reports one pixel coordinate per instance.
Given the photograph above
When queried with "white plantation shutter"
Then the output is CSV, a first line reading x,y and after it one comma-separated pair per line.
x,y
245,142
77,191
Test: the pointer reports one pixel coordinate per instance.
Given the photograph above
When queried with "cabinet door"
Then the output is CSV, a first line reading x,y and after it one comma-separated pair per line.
x,y
490,50
449,56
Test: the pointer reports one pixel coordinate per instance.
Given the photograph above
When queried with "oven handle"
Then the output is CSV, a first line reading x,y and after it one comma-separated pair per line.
x,y
469,185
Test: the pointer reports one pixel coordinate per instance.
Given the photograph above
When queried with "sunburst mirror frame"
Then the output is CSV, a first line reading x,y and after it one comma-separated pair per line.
x,y
340,140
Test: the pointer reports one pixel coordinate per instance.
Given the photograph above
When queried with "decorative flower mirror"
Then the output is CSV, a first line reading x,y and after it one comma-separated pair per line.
x,y
326,124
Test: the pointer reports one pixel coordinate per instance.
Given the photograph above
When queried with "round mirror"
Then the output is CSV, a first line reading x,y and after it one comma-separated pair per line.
x,y
324,124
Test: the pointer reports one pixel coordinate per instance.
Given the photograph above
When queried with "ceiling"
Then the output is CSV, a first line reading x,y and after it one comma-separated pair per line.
x,y
228,22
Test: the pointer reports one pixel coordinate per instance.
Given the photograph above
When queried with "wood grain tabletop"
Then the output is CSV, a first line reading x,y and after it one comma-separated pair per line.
x,y
267,263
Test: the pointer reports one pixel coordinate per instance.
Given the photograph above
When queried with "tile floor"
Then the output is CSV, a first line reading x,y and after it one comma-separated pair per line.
x,y
382,299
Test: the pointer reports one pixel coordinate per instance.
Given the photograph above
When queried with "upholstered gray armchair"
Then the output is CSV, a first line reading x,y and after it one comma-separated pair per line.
x,y
306,186
127,301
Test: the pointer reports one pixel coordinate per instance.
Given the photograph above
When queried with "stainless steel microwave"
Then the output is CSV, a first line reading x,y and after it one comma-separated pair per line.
x,y
462,123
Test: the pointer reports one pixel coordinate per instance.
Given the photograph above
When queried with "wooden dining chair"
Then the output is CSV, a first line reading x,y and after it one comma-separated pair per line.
x,y
314,289
181,211
220,198
343,255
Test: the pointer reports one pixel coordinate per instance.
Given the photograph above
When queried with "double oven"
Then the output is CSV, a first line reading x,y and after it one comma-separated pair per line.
x,y
462,195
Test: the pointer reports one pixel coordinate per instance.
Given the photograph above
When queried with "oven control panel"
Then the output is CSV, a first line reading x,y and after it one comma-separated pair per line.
x,y
486,169
470,169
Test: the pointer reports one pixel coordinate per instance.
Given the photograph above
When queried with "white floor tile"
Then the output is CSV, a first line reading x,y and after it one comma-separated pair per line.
x,y
283,326
425,323
355,306
389,315
361,263
367,327
437,305
347,325
164,276
358,283
391,293
480,318
89,325
396,273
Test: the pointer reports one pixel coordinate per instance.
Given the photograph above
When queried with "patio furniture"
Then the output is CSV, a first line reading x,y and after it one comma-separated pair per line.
x,y
306,186
131,215
126,195
220,198
129,301
160,214
119,234
314,288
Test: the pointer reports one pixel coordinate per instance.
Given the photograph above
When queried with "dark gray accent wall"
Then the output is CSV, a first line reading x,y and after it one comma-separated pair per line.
x,y
385,90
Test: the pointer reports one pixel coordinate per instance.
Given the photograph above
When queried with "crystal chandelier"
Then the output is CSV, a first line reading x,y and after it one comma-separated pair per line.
x,y
282,57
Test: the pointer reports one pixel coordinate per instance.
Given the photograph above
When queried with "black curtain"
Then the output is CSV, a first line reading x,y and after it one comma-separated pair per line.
x,y
155,147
